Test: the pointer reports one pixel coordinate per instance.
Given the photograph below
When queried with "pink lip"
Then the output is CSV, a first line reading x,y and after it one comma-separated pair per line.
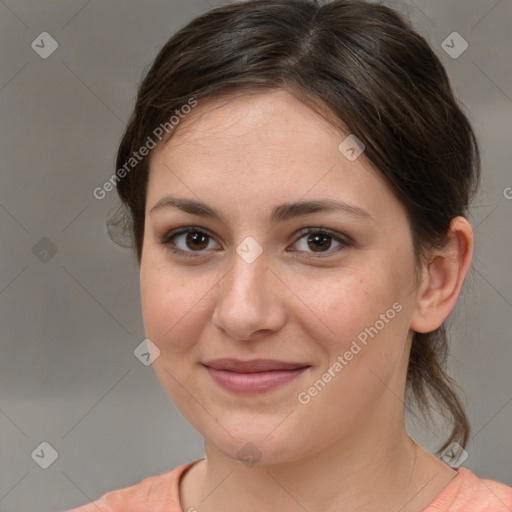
x,y
257,376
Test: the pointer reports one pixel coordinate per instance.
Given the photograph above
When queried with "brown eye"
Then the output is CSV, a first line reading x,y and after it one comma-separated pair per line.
x,y
187,241
196,240
320,241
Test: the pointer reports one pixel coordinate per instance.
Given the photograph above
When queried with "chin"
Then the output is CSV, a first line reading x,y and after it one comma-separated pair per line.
x,y
255,446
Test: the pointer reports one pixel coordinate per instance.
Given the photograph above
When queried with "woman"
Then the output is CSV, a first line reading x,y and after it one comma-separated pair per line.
x,y
296,179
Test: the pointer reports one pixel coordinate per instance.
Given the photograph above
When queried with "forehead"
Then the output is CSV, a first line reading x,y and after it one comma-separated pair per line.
x,y
249,119
261,149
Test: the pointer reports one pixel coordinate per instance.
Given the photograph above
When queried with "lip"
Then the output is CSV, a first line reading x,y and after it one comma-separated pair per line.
x,y
256,376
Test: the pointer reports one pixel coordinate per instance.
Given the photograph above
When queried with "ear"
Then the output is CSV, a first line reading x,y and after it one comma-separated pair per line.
x,y
443,277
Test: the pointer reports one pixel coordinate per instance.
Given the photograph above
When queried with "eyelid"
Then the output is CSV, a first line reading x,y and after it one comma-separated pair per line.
x,y
340,237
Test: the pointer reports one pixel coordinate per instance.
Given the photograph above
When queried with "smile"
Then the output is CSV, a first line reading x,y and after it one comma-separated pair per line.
x,y
256,376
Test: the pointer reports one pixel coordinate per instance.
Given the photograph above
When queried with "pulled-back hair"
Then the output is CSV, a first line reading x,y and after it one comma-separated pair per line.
x,y
361,66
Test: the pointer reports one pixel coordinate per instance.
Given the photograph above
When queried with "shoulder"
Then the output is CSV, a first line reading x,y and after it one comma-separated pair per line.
x,y
467,492
160,492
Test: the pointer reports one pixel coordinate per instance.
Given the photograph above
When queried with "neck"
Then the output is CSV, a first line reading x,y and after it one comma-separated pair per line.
x,y
381,470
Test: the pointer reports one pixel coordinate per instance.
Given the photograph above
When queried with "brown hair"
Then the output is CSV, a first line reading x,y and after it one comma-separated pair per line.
x,y
356,62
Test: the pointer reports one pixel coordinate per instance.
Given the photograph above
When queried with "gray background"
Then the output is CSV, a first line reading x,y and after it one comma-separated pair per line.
x,y
71,320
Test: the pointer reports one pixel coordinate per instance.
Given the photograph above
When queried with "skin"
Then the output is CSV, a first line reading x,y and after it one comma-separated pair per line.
x,y
348,446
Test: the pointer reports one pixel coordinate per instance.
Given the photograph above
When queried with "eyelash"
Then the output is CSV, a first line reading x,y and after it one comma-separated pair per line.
x,y
167,240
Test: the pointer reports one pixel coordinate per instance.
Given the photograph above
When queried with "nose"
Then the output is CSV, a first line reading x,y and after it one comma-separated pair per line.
x,y
249,300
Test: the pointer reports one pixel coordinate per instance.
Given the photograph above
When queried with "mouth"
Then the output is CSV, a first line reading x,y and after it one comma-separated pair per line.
x,y
256,376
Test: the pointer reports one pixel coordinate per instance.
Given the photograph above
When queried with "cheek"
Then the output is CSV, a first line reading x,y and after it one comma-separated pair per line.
x,y
168,304
362,317
363,349
342,305
172,313
170,317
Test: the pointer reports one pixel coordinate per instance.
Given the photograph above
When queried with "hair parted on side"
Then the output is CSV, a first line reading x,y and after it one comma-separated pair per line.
x,y
359,64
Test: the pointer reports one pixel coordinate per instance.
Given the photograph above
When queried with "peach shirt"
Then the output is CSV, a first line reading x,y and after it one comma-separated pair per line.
x,y
160,493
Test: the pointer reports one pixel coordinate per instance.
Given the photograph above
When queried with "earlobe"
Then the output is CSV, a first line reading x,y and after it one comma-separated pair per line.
x,y
443,277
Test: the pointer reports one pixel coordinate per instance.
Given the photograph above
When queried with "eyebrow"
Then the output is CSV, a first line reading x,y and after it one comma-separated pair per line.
x,y
279,213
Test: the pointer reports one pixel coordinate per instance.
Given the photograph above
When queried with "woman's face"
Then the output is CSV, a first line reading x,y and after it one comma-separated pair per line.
x,y
331,311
